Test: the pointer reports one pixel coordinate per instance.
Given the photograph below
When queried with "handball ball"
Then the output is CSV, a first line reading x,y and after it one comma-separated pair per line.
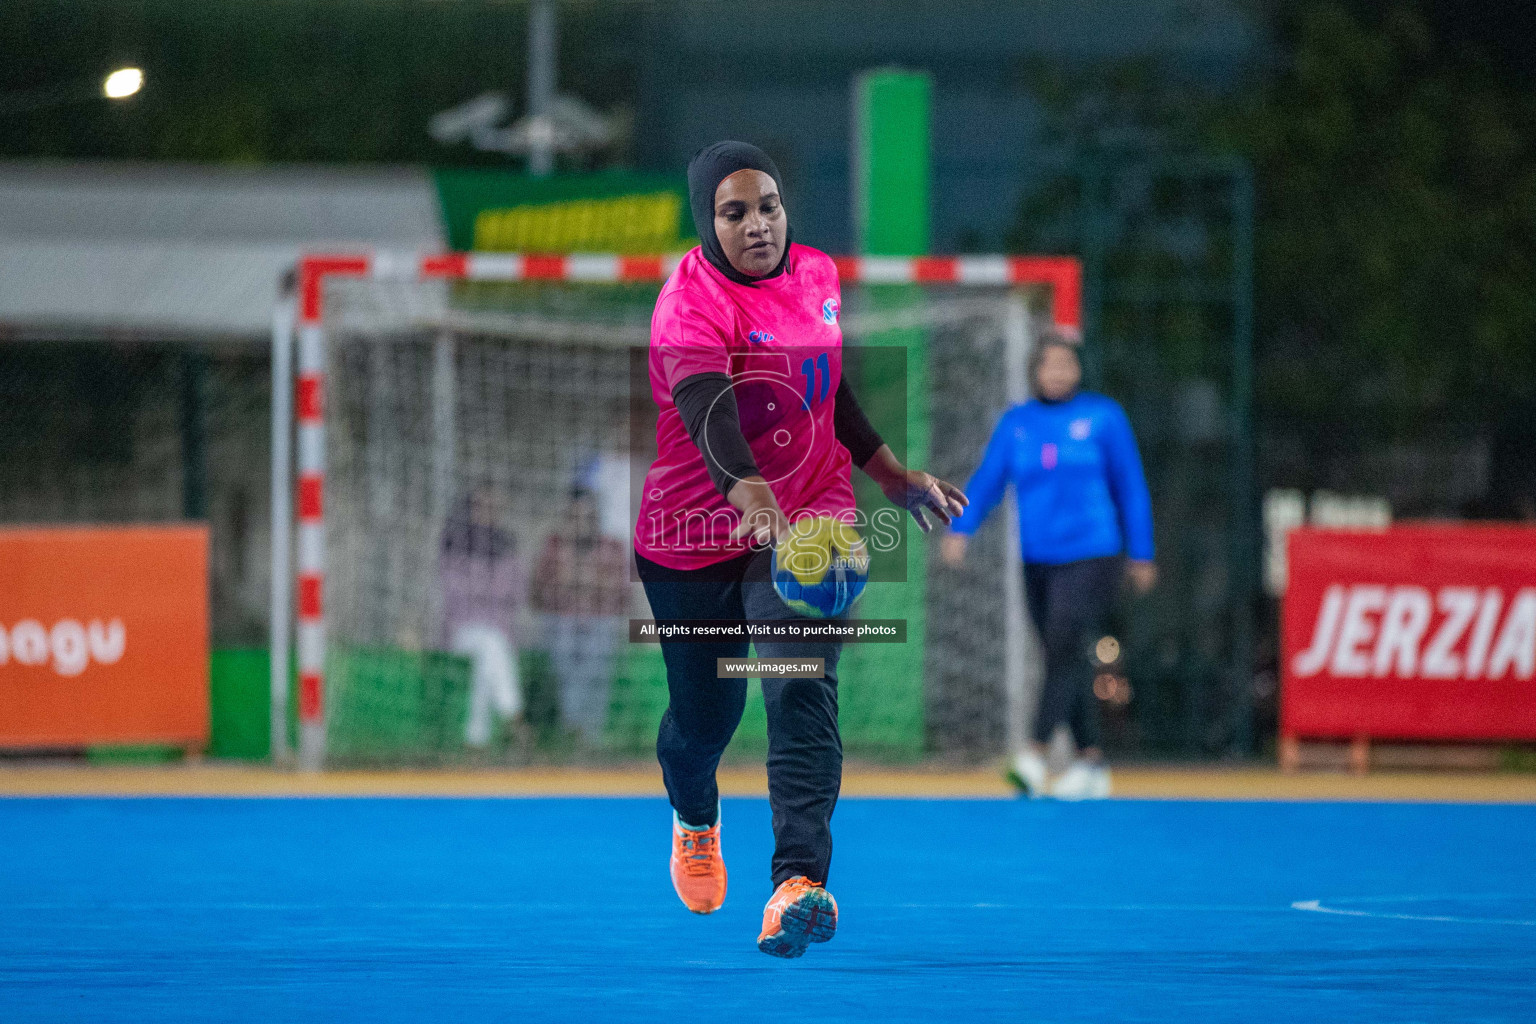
x,y
820,569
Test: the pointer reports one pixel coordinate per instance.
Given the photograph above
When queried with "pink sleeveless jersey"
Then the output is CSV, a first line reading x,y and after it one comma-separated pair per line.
x,y
780,342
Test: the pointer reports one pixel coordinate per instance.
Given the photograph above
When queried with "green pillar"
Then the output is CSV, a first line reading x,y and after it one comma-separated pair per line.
x,y
892,113
882,686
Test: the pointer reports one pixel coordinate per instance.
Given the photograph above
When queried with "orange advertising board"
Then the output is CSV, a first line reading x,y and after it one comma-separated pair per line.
x,y
104,636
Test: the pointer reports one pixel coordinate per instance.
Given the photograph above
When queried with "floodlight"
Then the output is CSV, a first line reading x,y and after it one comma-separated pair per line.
x,y
122,83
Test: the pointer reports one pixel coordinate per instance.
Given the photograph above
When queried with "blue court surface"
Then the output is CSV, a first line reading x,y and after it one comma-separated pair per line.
x,y
382,910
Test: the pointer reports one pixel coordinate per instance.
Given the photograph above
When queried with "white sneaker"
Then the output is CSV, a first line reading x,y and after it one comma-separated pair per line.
x,y
1029,769
1082,781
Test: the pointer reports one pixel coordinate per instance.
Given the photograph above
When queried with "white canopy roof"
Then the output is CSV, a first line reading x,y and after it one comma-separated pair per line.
x,y
178,251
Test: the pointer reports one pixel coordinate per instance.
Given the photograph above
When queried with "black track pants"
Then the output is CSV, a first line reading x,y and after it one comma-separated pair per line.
x,y
1067,602
805,751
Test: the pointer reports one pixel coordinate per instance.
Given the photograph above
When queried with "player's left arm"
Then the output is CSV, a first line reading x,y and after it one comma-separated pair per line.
x,y
1133,500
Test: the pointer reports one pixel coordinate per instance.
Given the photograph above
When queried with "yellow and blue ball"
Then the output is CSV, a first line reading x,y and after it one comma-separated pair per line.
x,y
821,568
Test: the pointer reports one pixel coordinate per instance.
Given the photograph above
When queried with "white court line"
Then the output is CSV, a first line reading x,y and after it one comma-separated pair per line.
x,y
1316,907
1440,897
1177,908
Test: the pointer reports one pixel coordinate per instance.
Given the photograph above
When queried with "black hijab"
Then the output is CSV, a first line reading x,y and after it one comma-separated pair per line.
x,y
1048,339
708,168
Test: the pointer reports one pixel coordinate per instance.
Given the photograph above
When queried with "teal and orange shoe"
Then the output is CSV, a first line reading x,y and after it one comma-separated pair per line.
x,y
801,912
698,869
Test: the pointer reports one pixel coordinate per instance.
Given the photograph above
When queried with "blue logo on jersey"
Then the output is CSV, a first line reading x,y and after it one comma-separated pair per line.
x,y
829,310
758,337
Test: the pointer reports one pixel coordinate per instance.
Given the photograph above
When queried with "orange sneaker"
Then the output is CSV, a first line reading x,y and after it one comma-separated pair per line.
x,y
698,869
800,913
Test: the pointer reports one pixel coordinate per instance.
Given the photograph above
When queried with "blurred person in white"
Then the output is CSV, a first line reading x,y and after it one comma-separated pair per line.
x,y
1085,522
485,585
581,584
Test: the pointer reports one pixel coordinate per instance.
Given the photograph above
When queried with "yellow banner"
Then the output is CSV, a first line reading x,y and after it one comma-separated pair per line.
x,y
643,223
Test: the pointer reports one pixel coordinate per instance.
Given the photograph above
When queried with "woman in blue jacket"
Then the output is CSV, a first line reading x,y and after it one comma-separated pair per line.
x,y
1085,520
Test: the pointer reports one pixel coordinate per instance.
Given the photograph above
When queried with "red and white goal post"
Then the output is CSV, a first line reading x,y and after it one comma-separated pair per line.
x,y
300,408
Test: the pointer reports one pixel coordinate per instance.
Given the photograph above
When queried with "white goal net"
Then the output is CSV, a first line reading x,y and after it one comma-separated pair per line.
x,y
480,445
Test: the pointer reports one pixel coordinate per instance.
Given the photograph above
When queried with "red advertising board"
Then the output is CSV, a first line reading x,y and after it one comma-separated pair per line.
x,y
104,636
1414,632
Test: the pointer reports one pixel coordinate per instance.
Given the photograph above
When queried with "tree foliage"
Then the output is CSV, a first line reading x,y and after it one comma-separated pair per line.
x,y
1397,200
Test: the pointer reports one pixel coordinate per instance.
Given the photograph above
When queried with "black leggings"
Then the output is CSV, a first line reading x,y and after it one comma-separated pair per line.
x,y
1066,602
805,751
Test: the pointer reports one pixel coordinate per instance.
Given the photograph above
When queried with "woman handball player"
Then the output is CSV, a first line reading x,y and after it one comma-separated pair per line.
x,y
756,428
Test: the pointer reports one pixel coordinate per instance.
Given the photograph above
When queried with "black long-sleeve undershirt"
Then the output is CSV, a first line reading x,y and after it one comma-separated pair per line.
x,y
708,408
852,427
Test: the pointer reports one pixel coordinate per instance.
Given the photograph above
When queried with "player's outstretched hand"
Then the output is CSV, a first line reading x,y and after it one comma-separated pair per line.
x,y
914,490
920,493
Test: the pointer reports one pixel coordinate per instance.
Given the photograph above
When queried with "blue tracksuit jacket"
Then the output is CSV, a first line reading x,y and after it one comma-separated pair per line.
x,y
1078,477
